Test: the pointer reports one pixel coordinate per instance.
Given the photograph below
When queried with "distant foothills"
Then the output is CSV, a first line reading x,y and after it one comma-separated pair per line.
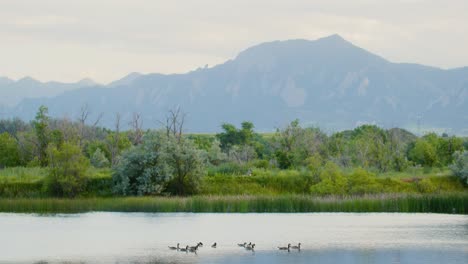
x,y
328,82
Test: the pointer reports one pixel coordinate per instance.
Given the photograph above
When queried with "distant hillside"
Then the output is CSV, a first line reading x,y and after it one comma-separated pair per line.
x,y
327,82
12,92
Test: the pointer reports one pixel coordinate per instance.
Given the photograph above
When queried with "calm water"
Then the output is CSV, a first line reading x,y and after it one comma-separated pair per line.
x,y
143,238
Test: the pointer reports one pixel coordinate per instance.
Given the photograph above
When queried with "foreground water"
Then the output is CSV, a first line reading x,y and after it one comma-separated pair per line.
x,y
143,238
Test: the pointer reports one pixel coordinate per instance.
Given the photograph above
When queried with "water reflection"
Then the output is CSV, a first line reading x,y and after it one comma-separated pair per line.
x,y
144,238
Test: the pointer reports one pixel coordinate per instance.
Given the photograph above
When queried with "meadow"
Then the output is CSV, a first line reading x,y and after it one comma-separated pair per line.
x,y
23,182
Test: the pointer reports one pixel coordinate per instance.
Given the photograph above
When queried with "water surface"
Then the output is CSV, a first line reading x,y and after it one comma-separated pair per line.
x,y
143,238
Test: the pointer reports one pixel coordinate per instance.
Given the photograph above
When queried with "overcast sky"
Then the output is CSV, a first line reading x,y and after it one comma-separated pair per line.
x,y
105,40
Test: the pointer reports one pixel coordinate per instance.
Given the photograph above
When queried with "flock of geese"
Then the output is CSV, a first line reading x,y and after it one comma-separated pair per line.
x,y
249,247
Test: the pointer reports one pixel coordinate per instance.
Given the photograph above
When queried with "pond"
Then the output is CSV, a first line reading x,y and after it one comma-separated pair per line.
x,y
144,238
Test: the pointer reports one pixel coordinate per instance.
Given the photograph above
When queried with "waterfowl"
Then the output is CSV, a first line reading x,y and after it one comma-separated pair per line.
x,y
242,245
196,247
174,248
250,247
285,248
297,247
184,249
214,245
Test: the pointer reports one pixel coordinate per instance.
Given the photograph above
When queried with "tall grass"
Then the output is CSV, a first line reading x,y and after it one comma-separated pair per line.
x,y
22,174
441,203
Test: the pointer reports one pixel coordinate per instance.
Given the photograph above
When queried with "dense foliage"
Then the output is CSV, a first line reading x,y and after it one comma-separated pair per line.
x,y
460,166
238,160
67,167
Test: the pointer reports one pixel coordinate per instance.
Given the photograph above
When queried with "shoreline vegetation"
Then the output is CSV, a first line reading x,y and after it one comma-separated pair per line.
x,y
52,165
449,203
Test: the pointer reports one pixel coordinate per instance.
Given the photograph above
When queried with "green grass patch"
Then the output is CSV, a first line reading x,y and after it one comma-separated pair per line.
x,y
28,182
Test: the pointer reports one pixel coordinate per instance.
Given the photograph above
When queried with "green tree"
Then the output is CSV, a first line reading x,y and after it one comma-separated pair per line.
x,y
99,160
446,147
186,164
67,168
423,152
142,170
9,151
41,127
294,144
214,154
231,136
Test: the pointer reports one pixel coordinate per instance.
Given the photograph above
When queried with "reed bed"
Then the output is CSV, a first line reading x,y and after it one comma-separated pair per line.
x,y
440,203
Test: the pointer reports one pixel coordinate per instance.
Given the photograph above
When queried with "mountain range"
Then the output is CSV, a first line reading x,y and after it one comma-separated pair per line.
x,y
328,82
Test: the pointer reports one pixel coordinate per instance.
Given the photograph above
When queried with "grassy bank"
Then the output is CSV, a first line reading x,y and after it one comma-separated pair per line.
x,y
29,183
440,203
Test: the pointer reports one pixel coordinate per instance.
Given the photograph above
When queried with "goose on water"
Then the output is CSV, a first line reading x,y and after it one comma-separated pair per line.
x,y
194,249
250,247
214,245
285,248
186,249
297,247
200,244
174,248
242,245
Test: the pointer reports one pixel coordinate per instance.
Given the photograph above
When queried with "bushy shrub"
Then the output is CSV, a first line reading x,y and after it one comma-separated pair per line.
x,y
214,154
162,163
460,166
426,186
363,182
332,181
186,166
142,169
315,164
67,168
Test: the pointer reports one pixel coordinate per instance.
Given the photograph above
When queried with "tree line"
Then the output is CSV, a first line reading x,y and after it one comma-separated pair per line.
x,y
167,161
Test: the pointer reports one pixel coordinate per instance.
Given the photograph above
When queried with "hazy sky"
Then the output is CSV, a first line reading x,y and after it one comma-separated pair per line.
x,y
105,40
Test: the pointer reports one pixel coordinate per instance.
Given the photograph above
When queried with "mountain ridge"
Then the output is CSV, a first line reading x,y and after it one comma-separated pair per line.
x,y
328,82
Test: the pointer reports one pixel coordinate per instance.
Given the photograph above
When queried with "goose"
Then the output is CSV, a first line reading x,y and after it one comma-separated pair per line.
x,y
285,248
250,247
200,244
214,245
297,247
186,249
194,249
242,245
174,248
